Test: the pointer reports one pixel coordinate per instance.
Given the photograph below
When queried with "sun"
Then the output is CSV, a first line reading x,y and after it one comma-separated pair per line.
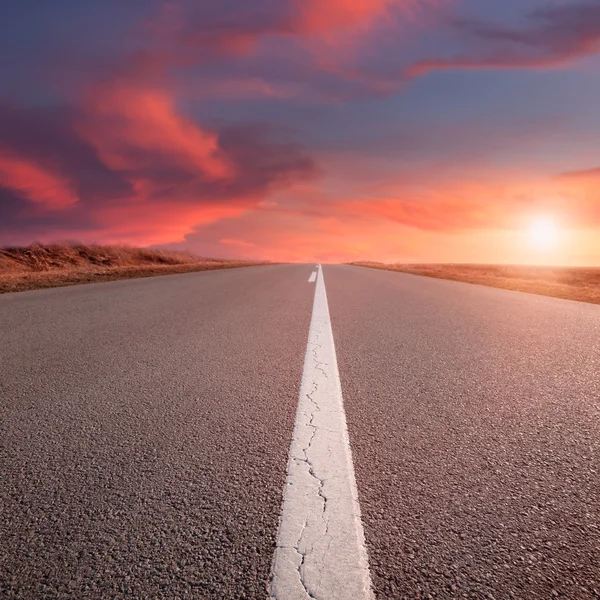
x,y
544,233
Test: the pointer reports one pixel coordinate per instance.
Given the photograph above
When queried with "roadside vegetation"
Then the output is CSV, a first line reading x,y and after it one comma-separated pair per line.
x,y
52,265
572,283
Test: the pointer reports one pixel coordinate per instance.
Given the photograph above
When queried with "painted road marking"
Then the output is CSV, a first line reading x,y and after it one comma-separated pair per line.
x,y
313,277
320,544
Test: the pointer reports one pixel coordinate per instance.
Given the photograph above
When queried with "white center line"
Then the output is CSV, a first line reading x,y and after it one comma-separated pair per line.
x,y
320,545
313,277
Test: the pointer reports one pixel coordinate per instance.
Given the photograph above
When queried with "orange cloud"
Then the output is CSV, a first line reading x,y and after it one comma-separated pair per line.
x,y
159,223
461,206
499,201
435,221
445,208
36,183
587,175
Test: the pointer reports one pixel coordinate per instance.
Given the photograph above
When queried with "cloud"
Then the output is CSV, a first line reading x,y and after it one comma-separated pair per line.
x,y
128,154
48,137
583,175
34,182
421,217
135,130
265,48
187,33
498,201
291,236
556,36
120,159
159,174
444,206
231,24
318,16
236,243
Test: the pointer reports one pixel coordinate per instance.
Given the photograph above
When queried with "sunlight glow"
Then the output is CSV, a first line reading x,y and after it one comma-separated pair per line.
x,y
544,233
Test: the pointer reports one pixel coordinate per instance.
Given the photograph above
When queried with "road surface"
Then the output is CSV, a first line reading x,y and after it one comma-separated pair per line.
x,y
145,431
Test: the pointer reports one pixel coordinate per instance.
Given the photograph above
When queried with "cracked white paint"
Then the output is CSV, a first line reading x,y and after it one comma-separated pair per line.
x,y
320,545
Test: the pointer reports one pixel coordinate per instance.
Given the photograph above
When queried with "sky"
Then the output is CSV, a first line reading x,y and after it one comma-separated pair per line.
x,y
305,130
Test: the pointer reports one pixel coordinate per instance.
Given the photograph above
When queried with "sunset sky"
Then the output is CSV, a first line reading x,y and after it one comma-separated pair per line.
x,y
326,130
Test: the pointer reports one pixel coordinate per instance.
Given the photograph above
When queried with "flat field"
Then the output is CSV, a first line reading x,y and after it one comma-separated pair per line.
x,y
42,266
572,283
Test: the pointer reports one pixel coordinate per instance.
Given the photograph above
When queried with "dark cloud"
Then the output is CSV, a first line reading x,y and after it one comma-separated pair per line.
x,y
555,36
48,137
269,156
115,172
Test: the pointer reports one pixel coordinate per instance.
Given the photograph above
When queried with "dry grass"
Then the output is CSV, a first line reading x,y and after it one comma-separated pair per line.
x,y
572,283
43,266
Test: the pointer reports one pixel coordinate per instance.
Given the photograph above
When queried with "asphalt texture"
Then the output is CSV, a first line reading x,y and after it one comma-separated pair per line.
x,y
145,427
474,419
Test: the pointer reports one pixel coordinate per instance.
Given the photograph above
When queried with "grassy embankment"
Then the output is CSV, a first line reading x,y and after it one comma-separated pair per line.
x,y
572,283
43,266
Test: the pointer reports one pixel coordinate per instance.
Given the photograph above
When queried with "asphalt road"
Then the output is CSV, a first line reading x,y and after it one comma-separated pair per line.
x,y
474,418
145,427
145,432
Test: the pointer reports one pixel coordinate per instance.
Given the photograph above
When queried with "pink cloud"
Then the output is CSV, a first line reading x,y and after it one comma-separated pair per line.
x,y
44,187
121,118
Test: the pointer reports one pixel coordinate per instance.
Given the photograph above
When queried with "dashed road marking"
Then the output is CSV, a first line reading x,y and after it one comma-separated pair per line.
x,y
320,550
313,277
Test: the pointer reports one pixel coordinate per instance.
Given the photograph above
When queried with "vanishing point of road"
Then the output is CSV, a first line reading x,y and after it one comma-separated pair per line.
x,y
153,445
